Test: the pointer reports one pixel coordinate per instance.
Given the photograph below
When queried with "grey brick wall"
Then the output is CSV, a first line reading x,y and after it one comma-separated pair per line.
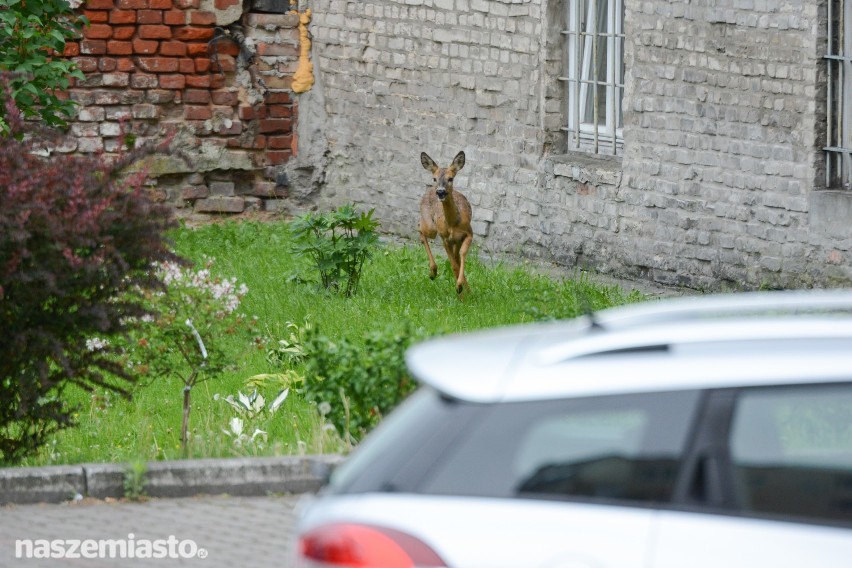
x,y
719,184
723,143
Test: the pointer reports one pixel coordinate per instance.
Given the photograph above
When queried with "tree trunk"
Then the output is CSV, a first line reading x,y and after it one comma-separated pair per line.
x,y
184,431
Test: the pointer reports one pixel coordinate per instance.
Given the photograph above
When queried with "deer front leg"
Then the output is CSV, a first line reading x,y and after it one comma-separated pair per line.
x,y
461,281
453,255
433,267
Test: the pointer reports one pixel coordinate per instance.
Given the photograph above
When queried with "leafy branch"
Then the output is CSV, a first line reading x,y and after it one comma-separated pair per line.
x,y
32,33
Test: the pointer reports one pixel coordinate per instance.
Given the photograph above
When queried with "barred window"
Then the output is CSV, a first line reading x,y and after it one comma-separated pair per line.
x,y
838,164
594,77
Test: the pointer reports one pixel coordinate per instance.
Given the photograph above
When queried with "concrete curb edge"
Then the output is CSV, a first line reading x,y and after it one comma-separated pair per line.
x,y
179,478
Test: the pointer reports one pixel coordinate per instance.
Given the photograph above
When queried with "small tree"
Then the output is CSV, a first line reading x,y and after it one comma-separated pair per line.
x,y
74,237
32,33
194,313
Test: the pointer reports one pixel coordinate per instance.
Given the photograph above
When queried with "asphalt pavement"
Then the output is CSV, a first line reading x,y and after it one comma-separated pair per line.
x,y
194,531
208,513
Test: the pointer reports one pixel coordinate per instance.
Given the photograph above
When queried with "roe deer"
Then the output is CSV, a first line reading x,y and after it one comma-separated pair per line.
x,y
446,212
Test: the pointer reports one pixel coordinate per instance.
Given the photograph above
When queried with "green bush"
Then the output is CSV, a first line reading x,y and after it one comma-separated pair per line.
x,y
356,384
76,243
338,242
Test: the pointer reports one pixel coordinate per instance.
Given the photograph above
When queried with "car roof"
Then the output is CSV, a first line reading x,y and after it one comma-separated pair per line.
x,y
711,341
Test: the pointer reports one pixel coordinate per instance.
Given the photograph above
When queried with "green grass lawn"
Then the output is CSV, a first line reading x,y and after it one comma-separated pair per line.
x,y
394,290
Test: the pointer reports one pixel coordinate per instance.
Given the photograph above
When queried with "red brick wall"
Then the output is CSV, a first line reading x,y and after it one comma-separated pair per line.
x,y
150,71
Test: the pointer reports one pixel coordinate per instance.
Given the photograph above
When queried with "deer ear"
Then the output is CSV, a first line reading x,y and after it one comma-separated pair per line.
x,y
427,162
458,161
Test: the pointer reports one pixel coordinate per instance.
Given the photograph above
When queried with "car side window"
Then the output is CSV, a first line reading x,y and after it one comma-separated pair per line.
x,y
792,452
625,447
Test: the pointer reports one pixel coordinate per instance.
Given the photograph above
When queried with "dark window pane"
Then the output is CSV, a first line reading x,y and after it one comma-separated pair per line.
x,y
619,447
792,452
420,424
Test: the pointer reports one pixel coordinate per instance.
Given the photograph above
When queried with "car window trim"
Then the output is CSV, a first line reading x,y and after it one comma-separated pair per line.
x,y
706,476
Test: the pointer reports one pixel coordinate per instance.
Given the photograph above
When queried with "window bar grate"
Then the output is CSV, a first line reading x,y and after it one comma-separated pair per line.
x,y
843,113
611,42
578,28
585,37
829,98
837,137
838,161
594,65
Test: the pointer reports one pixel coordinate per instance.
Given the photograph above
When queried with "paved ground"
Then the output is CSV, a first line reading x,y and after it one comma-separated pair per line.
x,y
232,531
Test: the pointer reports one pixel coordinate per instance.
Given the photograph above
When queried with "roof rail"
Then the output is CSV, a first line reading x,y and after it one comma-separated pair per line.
x,y
693,308
641,328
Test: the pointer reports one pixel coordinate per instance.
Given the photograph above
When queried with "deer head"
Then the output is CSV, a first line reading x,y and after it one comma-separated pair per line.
x,y
443,177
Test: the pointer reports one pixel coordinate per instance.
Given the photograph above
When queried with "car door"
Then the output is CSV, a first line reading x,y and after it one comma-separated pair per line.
x,y
769,483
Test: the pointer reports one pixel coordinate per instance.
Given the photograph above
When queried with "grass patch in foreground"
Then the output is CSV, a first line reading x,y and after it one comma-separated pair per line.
x,y
394,291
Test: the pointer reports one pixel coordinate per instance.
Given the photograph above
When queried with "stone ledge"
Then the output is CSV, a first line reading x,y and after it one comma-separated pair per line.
x,y
180,478
588,168
41,484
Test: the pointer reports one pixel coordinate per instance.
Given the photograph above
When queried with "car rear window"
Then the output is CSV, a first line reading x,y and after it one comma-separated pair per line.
x,y
419,426
624,447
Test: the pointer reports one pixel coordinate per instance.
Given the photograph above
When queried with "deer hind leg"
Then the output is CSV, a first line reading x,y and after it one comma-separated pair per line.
x,y
433,267
461,253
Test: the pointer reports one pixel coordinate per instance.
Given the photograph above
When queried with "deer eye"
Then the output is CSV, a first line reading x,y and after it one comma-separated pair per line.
x,y
449,180
434,179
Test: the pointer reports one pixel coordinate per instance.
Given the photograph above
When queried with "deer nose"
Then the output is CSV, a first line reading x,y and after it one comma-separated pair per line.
x,y
442,193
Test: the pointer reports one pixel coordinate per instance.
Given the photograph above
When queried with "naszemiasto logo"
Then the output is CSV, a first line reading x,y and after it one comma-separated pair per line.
x,y
129,547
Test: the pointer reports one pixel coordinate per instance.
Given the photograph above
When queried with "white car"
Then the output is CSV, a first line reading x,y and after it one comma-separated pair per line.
x,y
711,431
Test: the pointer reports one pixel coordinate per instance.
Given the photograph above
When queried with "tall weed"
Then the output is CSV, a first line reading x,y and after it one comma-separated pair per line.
x,y
338,243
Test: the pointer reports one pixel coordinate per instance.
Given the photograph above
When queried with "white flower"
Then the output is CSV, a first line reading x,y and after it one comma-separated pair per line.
x,y
237,426
171,272
96,344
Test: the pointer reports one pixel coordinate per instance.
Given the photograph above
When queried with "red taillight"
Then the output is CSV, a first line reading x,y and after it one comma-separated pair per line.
x,y
363,546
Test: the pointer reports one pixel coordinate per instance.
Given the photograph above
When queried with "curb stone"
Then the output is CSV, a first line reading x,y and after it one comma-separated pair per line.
x,y
180,478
